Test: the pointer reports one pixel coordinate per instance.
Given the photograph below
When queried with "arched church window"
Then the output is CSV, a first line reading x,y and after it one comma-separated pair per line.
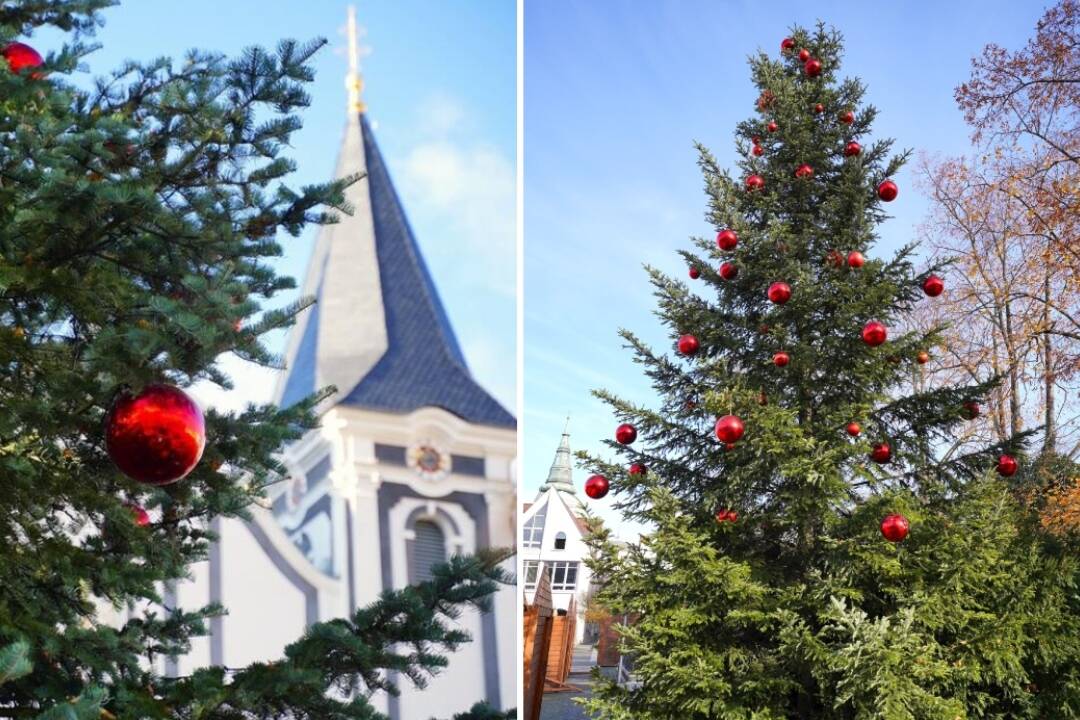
x,y
428,550
533,533
560,541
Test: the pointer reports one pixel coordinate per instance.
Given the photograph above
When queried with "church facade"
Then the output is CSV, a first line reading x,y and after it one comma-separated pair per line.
x,y
413,462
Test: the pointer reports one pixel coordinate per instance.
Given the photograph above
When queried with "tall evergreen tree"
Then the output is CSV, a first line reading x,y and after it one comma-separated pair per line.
x,y
136,221
819,554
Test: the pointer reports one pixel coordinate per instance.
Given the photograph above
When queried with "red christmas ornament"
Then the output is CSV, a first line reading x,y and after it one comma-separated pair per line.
x,y
804,55
756,139
853,429
758,151
1007,465
729,429
812,68
819,108
727,239
729,270
847,117
887,191
933,286
755,182
21,56
625,434
723,516
779,292
855,259
772,126
804,171
923,357
694,273
874,333
637,469
596,487
157,436
688,345
881,453
138,514
781,358
894,528
834,258
786,44
971,410
852,149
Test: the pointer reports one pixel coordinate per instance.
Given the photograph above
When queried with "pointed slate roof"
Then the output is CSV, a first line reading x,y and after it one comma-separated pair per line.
x,y
561,475
378,331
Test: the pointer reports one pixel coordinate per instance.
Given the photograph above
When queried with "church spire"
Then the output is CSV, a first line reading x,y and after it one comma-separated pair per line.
x,y
560,477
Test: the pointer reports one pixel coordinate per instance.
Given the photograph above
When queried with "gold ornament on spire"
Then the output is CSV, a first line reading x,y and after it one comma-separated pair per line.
x,y
354,81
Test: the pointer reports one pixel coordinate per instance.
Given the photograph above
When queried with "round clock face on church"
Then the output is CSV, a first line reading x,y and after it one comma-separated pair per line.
x,y
429,462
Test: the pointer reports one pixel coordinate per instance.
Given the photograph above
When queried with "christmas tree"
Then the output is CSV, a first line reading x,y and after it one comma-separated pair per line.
x,y
137,219
818,546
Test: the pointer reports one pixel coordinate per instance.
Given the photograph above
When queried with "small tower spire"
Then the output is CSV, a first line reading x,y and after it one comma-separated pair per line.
x,y
354,80
560,477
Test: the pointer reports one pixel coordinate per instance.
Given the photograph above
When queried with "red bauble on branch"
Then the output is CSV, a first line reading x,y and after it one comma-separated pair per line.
x,y
688,345
625,434
727,239
847,117
787,44
725,515
874,333
853,429
729,270
894,528
819,108
1007,465
887,190
596,487
834,258
933,286
694,273
21,56
755,182
138,514
637,469
923,357
729,429
881,453
781,358
157,436
971,410
855,259
804,171
852,149
804,55
772,126
758,150
812,68
779,293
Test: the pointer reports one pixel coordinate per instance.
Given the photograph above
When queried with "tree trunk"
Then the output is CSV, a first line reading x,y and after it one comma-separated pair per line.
x,y
1050,431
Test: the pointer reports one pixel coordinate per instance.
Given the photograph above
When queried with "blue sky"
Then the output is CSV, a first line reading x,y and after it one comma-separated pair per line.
x,y
441,89
615,94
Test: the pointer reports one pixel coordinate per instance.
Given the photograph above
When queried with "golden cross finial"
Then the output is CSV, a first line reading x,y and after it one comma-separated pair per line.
x,y
354,81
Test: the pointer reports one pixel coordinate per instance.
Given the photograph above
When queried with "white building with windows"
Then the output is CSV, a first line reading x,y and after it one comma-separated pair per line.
x,y
552,536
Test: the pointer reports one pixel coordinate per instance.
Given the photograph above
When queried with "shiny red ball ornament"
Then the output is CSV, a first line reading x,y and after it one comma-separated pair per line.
x,y
855,259
923,357
972,410
933,286
812,68
758,151
887,190
847,117
727,239
755,182
729,270
852,149
819,108
881,453
772,126
138,514
874,333
157,436
804,55
779,293
723,516
21,56
894,528
596,487
804,171
834,258
688,345
755,139
781,358
625,434
1007,465
787,44
694,273
729,429
637,469
853,429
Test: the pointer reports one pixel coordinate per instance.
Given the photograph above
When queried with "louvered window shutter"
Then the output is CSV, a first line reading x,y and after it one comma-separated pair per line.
x,y
428,549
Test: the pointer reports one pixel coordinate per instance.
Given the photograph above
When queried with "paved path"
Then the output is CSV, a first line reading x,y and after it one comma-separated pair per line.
x,y
561,706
